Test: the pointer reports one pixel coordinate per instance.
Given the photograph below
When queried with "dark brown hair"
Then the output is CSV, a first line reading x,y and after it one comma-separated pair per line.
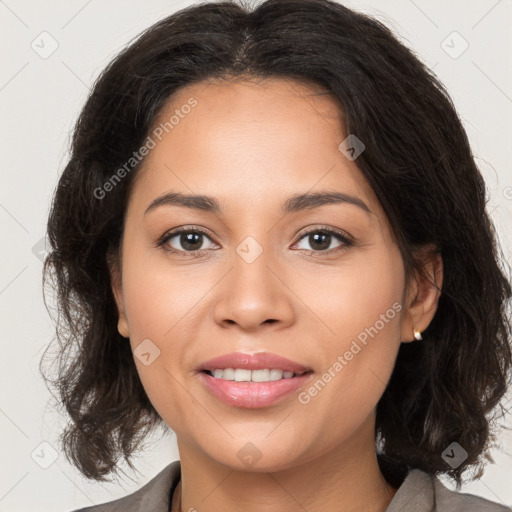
x,y
417,160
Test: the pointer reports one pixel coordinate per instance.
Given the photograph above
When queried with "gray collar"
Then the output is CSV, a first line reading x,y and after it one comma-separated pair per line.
x,y
415,494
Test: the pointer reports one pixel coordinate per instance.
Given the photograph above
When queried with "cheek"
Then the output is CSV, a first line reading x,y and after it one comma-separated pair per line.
x,y
359,306
362,293
161,298
165,305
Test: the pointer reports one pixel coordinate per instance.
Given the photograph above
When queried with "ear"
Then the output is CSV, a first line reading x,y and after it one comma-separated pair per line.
x,y
117,290
423,292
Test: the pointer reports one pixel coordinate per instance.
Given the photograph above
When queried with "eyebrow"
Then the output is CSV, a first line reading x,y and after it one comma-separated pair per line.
x,y
293,204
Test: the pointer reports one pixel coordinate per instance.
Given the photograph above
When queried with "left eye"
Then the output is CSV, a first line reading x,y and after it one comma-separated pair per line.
x,y
321,239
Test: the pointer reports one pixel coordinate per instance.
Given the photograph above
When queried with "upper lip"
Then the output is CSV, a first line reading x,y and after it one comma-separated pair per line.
x,y
258,361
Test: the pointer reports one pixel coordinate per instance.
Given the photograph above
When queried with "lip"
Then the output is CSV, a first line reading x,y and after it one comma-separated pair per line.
x,y
252,395
258,361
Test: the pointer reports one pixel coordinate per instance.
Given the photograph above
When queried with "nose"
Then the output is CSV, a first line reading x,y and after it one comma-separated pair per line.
x,y
253,295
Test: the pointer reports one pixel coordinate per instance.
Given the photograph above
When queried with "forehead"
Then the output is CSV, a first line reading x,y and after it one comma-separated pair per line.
x,y
253,140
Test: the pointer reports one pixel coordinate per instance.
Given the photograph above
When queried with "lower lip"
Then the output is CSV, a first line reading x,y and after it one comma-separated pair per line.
x,y
252,395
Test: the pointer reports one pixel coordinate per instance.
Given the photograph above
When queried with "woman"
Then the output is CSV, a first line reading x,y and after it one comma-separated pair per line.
x,y
271,237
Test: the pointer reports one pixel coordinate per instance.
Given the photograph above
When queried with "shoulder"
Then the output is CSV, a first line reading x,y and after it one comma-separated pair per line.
x,y
154,496
423,492
456,501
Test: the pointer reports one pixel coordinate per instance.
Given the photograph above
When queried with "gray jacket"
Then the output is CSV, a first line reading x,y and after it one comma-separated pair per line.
x,y
419,492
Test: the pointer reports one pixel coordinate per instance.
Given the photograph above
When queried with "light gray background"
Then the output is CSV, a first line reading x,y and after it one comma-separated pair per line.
x,y
40,99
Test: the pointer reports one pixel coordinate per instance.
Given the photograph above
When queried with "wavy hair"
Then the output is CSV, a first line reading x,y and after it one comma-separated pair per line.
x,y
417,160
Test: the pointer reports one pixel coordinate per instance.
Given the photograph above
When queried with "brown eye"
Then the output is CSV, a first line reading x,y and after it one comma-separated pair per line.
x,y
324,240
185,240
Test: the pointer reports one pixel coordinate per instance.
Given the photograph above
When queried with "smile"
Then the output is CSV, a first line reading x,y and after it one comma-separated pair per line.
x,y
244,375
253,394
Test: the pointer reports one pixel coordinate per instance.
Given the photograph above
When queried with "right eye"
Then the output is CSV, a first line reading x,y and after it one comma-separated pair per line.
x,y
184,241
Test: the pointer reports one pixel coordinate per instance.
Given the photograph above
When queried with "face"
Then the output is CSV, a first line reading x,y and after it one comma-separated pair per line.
x,y
321,284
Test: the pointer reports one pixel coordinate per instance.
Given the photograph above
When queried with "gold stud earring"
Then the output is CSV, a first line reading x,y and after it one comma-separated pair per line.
x,y
417,335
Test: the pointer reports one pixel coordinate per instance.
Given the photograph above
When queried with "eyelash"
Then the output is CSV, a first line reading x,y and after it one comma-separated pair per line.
x,y
342,237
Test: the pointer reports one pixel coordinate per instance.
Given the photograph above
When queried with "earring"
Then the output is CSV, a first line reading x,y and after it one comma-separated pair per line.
x,y
417,335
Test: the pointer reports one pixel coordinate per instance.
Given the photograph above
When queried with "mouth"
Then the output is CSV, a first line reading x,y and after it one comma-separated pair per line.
x,y
253,394
253,381
264,365
260,375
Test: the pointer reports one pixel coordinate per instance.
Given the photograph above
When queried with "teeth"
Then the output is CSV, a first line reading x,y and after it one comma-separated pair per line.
x,y
243,375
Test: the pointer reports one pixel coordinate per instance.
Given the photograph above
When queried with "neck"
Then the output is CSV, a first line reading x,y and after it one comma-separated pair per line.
x,y
347,478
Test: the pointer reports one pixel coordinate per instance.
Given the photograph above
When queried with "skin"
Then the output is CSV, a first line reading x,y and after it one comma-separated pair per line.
x,y
250,145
